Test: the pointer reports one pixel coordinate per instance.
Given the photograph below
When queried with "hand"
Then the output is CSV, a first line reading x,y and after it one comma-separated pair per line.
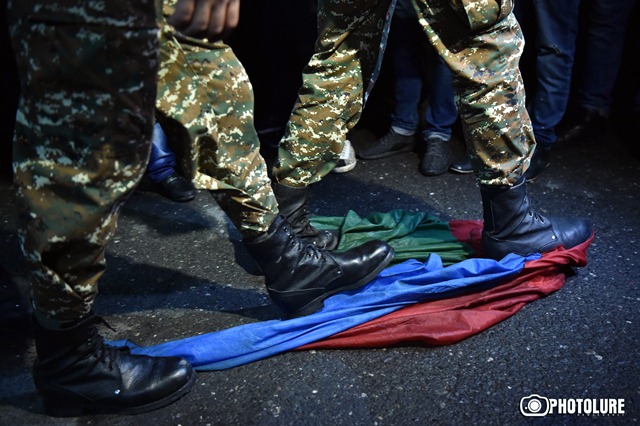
x,y
210,19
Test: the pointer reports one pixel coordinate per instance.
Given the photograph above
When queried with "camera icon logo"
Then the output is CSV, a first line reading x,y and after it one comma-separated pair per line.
x,y
534,406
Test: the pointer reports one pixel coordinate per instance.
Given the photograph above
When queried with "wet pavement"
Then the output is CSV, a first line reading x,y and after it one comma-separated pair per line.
x,y
176,270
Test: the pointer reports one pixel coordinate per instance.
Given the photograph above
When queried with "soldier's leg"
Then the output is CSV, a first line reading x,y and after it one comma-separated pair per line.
x,y
81,145
205,97
482,43
482,46
335,84
205,101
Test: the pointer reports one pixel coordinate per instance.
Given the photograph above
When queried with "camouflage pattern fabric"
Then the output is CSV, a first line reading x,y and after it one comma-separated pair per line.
x,y
205,104
82,137
481,42
330,101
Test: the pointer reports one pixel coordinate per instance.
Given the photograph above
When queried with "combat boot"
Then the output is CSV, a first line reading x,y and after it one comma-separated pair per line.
x,y
511,225
299,276
292,203
76,373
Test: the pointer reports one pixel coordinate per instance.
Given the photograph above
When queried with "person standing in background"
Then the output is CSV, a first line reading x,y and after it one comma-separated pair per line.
x,y
414,65
481,42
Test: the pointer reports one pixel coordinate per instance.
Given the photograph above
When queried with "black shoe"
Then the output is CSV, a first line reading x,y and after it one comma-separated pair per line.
x,y
436,158
539,163
511,225
585,127
177,188
390,144
463,165
292,203
299,277
76,373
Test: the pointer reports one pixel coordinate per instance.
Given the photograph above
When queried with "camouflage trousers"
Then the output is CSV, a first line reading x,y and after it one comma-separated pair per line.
x,y
479,40
205,105
82,137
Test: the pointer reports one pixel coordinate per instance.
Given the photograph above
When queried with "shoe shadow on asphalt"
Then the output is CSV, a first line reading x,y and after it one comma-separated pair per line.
x,y
129,286
164,216
192,219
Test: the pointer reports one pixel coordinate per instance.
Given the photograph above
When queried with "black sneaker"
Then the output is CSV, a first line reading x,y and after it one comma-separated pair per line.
x,y
436,158
390,144
585,126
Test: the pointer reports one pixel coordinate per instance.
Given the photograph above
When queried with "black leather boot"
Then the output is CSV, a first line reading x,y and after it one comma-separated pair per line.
x,y
292,203
511,225
300,276
77,373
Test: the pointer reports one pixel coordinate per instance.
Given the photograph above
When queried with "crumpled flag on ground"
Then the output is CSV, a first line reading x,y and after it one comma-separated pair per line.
x,y
409,285
413,235
450,320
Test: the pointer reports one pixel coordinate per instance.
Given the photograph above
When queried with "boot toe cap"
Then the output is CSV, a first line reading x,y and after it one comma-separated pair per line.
x,y
572,232
364,262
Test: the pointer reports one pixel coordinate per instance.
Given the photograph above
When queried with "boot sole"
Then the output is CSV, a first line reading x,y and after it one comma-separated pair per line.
x,y
57,408
318,303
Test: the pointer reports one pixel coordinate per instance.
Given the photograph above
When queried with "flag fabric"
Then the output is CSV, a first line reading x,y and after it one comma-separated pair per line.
x,y
413,235
449,295
449,320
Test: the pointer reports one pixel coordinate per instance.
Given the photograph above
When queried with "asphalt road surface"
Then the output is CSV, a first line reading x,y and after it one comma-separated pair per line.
x,y
177,270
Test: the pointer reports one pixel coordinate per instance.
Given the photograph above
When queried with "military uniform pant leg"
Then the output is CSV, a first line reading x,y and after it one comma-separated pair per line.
x,y
335,80
82,137
482,43
205,101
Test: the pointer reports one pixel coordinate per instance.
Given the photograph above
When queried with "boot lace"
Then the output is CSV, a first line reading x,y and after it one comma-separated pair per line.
x,y
105,354
537,217
310,250
302,223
